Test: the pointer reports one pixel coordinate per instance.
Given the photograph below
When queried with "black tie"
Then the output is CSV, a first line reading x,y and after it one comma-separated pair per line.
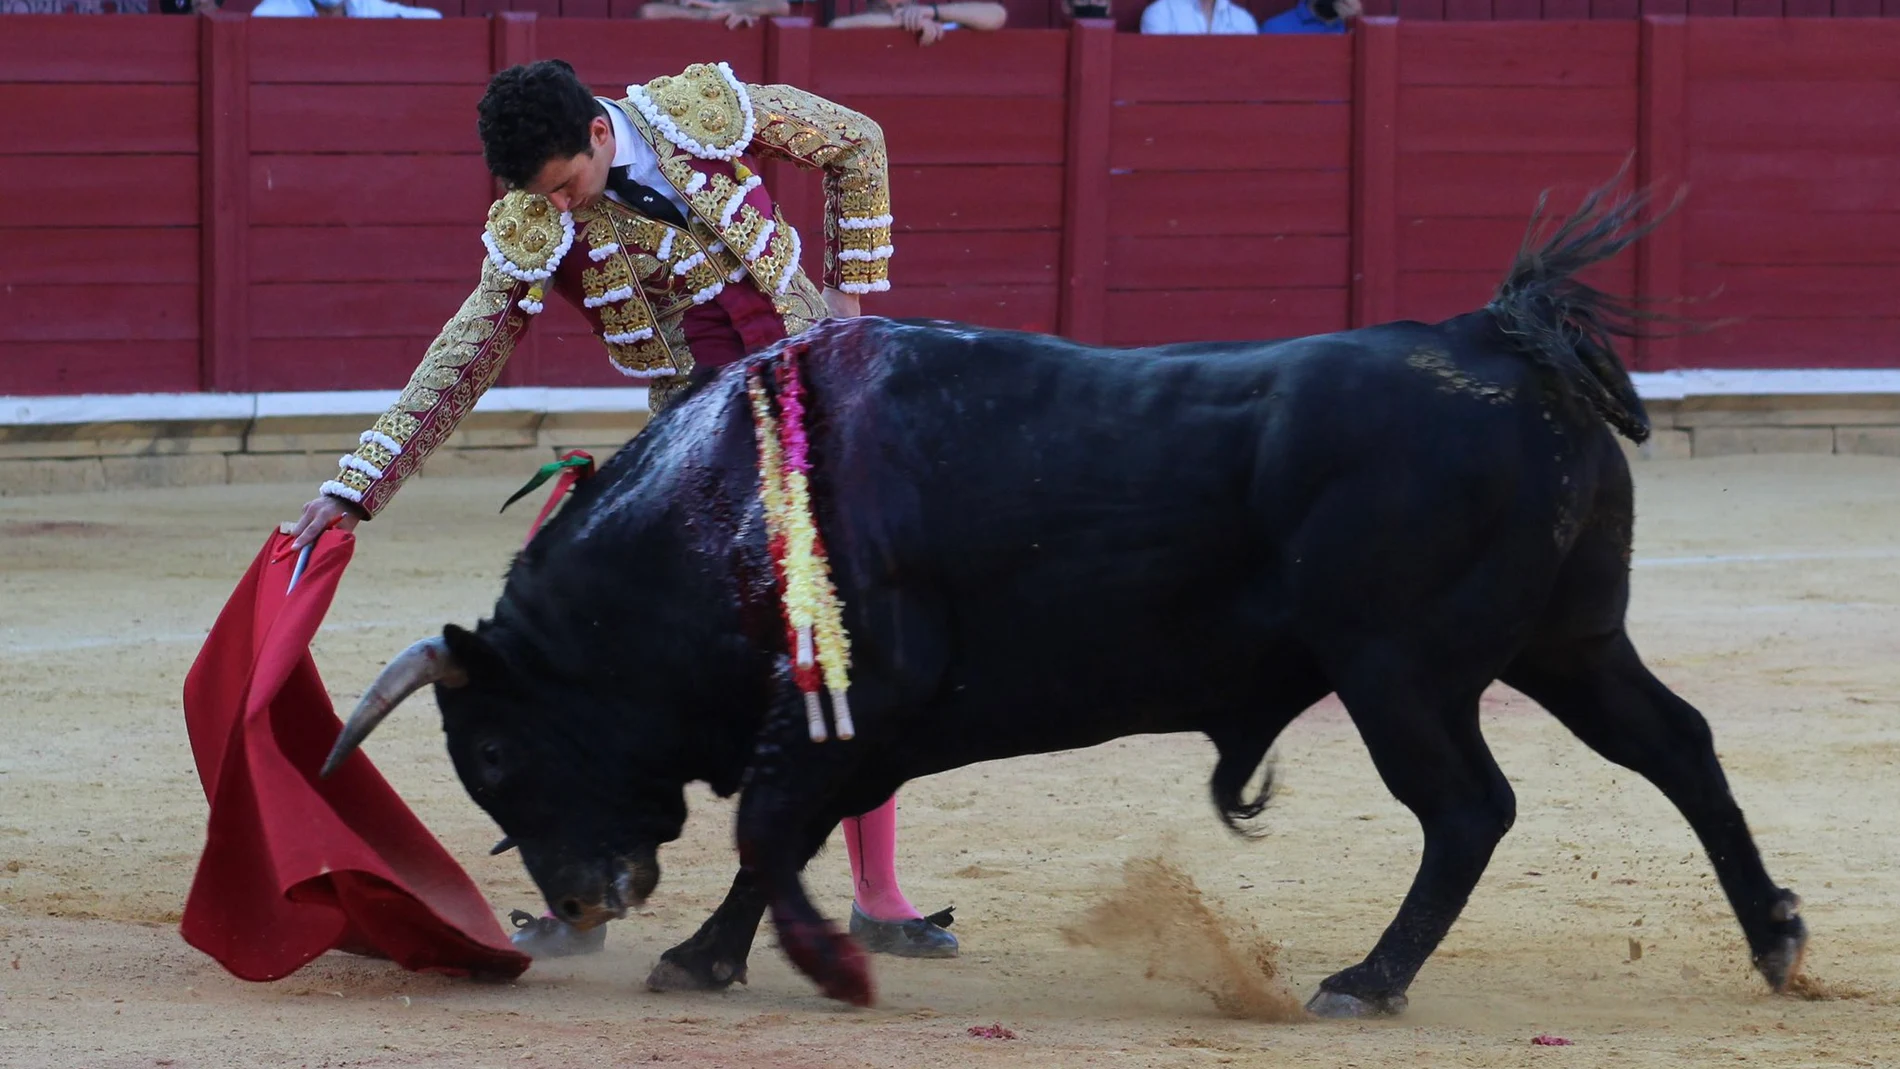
x,y
642,198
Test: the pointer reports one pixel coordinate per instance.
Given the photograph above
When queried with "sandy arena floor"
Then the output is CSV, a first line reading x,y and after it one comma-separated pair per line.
x,y
1766,593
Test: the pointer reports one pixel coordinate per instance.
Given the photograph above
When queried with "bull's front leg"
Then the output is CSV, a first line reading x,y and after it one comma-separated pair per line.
x,y
716,955
785,814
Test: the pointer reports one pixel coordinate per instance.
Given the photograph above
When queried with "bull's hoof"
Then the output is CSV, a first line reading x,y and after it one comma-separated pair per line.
x,y
1338,1005
685,971
550,937
1781,962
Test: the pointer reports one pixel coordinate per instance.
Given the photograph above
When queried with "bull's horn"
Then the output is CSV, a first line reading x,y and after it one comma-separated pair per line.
x,y
506,843
426,662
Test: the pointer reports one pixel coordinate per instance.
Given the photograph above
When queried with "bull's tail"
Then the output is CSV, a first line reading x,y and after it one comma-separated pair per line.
x,y
1569,326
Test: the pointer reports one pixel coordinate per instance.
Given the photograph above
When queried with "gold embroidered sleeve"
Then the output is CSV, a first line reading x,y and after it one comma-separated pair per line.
x,y
459,367
814,132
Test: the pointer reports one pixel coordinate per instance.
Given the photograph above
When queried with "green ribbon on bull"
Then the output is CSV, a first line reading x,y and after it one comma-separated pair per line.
x,y
548,471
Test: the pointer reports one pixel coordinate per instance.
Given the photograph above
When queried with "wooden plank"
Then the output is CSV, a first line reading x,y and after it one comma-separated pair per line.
x,y
619,51
60,48
1459,244
1793,238
1760,9
1535,119
1019,307
336,364
1375,158
1277,261
1155,318
1518,56
1431,296
1516,10
1011,130
574,360
1216,203
224,121
1230,137
444,253
586,9
1566,9
366,189
1468,10
1808,9
1661,166
109,366
91,190
372,51
1624,10
77,255
1805,292
1028,63
364,118
65,119
1748,180
1082,246
1497,184
977,198
1665,7
352,310
1856,9
1189,68
1008,257
1421,10
1844,343
98,312
1712,8
1841,116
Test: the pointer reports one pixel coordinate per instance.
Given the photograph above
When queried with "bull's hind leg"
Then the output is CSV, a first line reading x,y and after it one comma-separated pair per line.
x,y
1423,736
1600,690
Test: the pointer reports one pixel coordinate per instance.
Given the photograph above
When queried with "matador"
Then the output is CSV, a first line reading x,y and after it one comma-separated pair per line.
x,y
646,213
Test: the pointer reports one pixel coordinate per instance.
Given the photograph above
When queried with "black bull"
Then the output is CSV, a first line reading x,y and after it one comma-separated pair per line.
x,y
1043,546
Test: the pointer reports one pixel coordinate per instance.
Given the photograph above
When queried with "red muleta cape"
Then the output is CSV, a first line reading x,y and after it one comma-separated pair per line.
x,y
293,865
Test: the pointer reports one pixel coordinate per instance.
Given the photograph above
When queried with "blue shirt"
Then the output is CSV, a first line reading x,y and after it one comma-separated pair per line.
x,y
1300,19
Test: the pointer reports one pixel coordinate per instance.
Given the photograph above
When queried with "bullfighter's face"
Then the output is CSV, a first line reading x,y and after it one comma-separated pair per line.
x,y
540,755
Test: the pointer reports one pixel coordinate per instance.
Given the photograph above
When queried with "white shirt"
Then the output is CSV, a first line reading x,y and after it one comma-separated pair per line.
x,y
1184,16
632,152
356,9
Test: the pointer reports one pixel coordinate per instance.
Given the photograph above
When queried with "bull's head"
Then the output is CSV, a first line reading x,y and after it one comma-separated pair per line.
x,y
588,822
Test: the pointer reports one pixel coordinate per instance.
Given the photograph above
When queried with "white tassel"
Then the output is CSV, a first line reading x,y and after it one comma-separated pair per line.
x,y
356,463
882,252
342,491
384,440
602,252
864,222
814,717
620,293
841,713
880,286
666,245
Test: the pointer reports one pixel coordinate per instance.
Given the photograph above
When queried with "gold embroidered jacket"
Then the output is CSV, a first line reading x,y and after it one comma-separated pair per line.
x,y
635,277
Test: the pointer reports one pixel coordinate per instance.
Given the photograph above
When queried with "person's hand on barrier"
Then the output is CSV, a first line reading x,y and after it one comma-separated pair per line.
x,y
319,516
740,20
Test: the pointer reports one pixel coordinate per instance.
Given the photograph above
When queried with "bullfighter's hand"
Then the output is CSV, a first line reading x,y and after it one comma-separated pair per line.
x,y
841,304
319,516
740,21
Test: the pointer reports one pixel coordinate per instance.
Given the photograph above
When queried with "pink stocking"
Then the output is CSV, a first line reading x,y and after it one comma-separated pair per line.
x,y
871,841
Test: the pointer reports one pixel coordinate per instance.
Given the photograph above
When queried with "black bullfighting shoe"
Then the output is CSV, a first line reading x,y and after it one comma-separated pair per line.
x,y
923,937
550,937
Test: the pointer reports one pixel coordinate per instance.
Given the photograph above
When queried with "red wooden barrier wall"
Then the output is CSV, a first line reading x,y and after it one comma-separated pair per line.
x,y
1111,187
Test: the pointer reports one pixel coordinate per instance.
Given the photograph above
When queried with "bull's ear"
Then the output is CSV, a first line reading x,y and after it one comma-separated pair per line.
x,y
473,654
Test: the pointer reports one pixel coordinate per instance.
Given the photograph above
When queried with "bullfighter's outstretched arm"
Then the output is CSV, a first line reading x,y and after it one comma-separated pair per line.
x,y
849,147
526,239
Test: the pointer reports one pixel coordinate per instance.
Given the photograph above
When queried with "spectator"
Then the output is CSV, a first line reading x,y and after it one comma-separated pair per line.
x,y
735,13
1313,16
337,9
1197,16
928,21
